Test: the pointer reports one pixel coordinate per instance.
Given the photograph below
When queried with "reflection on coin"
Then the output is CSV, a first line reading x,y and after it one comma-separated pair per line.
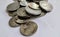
x,y
22,13
12,22
33,5
45,5
13,6
32,11
23,3
29,28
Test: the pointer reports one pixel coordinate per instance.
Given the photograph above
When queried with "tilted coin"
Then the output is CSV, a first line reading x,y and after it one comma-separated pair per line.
x,y
20,21
12,14
13,6
45,5
32,11
29,28
22,13
23,3
42,14
12,22
33,5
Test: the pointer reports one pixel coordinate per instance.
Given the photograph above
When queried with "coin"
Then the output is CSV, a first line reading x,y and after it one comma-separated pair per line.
x,y
45,5
32,11
29,28
22,13
13,6
23,3
33,5
42,14
12,22
20,21
12,14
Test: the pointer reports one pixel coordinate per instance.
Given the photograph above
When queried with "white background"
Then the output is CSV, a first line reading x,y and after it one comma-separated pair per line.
x,y
48,25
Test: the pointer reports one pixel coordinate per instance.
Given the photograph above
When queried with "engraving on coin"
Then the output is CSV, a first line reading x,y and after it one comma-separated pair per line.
x,y
22,13
33,12
29,28
12,22
45,5
13,6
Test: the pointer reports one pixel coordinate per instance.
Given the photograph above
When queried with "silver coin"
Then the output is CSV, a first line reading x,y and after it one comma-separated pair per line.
x,y
32,11
13,6
42,14
33,5
12,14
45,5
12,22
21,12
20,21
29,28
23,3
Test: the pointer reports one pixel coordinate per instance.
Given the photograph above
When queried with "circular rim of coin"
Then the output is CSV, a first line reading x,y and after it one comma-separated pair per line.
x,y
12,22
13,6
32,11
33,5
22,13
29,25
45,5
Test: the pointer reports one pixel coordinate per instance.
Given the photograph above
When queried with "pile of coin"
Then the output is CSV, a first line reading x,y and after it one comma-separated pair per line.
x,y
22,11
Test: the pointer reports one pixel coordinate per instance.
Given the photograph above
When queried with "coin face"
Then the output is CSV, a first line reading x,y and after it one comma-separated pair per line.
x,y
12,22
29,28
45,5
33,5
32,11
22,13
13,6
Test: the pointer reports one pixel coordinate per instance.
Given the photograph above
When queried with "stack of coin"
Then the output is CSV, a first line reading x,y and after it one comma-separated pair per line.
x,y
22,11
